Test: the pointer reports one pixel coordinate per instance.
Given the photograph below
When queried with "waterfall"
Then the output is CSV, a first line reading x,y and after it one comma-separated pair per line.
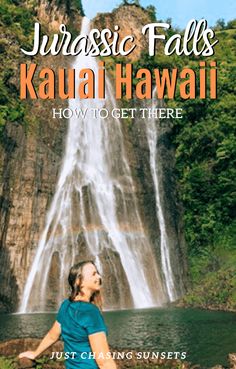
x,y
94,212
152,136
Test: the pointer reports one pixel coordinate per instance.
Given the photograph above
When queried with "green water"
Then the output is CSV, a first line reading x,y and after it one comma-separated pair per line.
x,y
206,336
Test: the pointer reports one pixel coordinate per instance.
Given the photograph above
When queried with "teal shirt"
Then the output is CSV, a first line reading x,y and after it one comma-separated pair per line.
x,y
78,320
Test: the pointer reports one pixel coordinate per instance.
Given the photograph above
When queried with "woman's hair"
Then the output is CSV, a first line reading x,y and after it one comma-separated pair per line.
x,y
75,279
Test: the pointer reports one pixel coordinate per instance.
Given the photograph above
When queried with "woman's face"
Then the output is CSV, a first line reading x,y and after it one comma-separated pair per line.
x,y
91,278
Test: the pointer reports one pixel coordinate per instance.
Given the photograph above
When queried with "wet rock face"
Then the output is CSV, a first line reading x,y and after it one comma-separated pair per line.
x,y
30,161
115,284
114,281
139,157
131,19
30,158
13,138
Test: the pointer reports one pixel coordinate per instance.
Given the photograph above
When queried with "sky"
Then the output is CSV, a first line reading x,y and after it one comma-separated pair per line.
x,y
181,11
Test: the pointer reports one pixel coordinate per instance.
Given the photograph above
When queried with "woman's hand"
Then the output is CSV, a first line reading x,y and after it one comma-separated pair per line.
x,y
28,354
51,337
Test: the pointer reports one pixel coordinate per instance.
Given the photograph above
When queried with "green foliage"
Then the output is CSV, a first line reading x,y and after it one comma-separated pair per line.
x,y
131,2
6,363
206,170
17,26
19,20
231,24
205,159
71,5
152,12
220,24
78,4
217,289
213,274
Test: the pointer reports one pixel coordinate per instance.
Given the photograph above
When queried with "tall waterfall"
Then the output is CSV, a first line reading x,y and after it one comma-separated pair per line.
x,y
152,136
94,214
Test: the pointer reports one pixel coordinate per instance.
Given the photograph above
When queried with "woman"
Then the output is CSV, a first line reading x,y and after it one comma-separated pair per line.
x,y
80,323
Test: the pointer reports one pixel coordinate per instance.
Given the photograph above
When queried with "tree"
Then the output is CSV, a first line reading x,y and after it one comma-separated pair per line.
x,y
131,2
231,24
220,24
152,12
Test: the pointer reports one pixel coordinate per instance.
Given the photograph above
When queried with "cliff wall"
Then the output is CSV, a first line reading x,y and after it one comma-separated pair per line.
x,y
32,149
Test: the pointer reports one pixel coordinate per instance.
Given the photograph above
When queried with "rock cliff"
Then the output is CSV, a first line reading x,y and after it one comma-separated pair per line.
x,y
30,159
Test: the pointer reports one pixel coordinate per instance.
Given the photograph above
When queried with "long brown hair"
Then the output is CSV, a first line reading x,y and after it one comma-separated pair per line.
x,y
75,275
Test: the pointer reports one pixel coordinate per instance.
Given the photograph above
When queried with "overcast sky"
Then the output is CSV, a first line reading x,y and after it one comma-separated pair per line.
x,y
181,11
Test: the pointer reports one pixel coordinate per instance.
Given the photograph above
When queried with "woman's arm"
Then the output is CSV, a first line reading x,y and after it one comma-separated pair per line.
x,y
51,337
99,346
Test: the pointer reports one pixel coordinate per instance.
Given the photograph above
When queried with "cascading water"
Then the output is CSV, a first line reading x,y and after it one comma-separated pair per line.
x,y
152,136
94,214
